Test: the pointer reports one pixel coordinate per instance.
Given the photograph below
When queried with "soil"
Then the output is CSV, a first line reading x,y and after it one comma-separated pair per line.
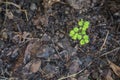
x,y
35,42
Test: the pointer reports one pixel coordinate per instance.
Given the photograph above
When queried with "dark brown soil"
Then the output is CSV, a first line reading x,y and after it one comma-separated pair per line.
x,y
35,42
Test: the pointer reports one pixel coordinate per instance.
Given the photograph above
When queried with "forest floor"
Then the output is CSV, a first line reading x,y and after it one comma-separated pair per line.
x,y
35,42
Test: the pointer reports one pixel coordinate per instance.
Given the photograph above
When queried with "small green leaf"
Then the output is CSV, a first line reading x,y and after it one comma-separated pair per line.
x,y
86,24
83,32
76,29
80,28
79,37
82,42
86,40
86,37
84,29
71,33
75,36
80,23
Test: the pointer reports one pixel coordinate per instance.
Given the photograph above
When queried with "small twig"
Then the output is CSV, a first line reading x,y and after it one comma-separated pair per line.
x,y
57,50
11,3
5,12
109,52
73,75
104,41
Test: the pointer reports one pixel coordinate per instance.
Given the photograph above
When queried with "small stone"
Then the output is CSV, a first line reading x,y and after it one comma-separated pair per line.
x,y
45,37
33,6
4,35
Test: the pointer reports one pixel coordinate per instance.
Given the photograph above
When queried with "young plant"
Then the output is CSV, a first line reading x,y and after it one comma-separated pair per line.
x,y
79,33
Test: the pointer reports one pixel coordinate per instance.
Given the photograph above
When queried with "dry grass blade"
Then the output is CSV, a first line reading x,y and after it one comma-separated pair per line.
x,y
104,41
115,68
18,6
35,66
108,76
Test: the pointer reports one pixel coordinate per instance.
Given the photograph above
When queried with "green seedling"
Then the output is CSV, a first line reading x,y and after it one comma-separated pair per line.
x,y
79,37
72,33
86,37
75,37
86,24
76,29
81,22
83,32
86,40
79,33
82,42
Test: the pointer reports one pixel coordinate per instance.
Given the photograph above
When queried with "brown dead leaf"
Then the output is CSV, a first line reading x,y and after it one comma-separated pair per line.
x,y
39,20
9,14
48,3
26,35
32,49
108,76
35,66
115,68
4,34
74,67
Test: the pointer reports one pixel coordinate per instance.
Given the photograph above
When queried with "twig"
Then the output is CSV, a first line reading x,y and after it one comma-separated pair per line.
x,y
5,12
56,50
109,52
104,41
11,3
73,75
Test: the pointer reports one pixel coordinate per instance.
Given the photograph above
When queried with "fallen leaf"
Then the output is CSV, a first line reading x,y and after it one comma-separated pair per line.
x,y
49,3
26,35
108,76
39,20
74,67
35,66
32,49
9,14
115,68
4,35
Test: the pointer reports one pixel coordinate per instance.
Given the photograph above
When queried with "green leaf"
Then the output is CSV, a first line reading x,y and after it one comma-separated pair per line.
x,y
80,28
80,23
75,36
86,40
83,32
86,37
82,42
79,37
71,33
84,29
86,24
76,29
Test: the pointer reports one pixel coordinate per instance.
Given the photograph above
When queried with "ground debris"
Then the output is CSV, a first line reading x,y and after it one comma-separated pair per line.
x,y
35,42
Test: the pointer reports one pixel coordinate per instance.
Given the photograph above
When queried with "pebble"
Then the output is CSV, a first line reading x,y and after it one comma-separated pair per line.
x,y
33,6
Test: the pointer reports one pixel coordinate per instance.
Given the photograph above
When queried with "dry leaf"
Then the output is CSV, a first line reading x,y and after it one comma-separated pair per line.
x,y
108,76
35,66
115,68
39,20
48,3
26,35
32,49
4,35
9,14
